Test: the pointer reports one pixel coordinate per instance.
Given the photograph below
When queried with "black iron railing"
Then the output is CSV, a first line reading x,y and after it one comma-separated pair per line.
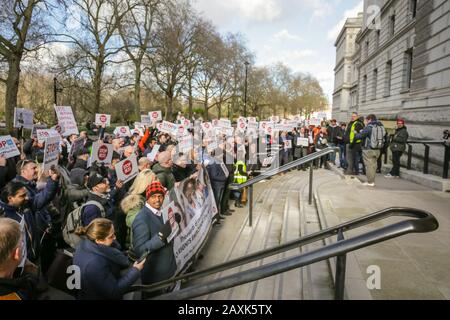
x,y
423,222
426,158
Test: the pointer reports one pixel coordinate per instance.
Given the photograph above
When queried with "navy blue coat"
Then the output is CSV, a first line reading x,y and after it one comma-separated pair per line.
x,y
161,264
100,268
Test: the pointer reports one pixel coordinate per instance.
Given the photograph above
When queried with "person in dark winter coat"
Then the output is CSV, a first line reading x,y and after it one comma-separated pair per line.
x,y
218,179
80,167
101,263
150,234
99,192
12,288
398,147
163,170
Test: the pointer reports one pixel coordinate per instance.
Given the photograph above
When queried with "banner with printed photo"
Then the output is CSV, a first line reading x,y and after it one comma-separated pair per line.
x,y
194,201
103,119
8,148
37,127
23,118
51,152
67,120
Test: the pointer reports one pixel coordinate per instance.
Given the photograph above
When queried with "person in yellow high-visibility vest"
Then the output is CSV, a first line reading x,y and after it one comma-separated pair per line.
x,y
240,177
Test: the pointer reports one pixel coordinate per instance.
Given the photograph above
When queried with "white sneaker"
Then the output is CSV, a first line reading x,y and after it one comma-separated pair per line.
x,y
389,176
366,184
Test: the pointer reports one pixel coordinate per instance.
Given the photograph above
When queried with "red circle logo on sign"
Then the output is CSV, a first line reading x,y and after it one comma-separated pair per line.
x,y
123,130
206,125
127,167
242,125
103,118
155,115
102,153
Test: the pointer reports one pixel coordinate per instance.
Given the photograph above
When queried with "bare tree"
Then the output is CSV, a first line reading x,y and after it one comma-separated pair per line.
x,y
137,33
174,38
22,30
97,43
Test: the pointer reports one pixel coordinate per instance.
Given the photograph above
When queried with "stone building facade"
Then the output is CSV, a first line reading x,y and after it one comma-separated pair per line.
x,y
401,67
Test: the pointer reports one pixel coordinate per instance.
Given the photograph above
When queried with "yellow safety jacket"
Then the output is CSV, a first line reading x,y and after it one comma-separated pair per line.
x,y
352,133
238,178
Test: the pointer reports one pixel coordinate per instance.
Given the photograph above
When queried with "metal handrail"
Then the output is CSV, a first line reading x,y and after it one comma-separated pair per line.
x,y
294,164
426,159
424,222
273,172
347,226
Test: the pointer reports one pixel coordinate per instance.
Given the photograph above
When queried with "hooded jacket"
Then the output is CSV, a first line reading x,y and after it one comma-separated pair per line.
x,y
100,268
165,176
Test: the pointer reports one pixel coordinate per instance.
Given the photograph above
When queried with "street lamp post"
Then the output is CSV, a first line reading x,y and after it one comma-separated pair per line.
x,y
245,89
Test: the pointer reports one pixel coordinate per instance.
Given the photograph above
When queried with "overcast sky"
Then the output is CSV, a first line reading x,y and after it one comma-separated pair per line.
x,y
299,33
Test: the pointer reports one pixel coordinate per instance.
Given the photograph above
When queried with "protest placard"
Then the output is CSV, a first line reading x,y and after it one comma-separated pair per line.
x,y
23,118
102,119
251,119
156,115
51,152
8,148
288,144
102,152
146,120
66,120
46,133
302,142
152,155
169,127
127,169
76,145
122,131
315,122
37,127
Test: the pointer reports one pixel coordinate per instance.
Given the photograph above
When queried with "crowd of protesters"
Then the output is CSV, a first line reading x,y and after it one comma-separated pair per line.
x,y
120,224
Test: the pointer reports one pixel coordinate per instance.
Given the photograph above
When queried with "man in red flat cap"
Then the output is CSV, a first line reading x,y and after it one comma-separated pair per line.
x,y
398,147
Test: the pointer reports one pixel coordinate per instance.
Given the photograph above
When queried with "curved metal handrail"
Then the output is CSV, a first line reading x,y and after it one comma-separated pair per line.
x,y
426,223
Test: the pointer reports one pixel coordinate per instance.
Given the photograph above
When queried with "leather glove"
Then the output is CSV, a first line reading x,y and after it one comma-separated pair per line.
x,y
165,232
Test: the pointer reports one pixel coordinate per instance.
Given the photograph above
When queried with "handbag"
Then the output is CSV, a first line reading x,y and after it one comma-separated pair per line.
x,y
57,273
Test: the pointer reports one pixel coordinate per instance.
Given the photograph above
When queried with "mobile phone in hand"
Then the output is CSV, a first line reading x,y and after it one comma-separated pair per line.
x,y
143,257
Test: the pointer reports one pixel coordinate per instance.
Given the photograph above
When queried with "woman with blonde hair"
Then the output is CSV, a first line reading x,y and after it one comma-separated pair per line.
x,y
101,263
135,199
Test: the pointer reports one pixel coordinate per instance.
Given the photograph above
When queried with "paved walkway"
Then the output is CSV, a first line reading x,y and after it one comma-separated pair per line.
x,y
414,266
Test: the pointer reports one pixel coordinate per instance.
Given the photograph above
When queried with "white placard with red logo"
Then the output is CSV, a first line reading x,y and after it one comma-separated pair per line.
x,y
155,115
152,155
8,148
252,126
225,123
51,152
269,128
37,127
44,134
23,118
102,119
138,131
207,127
127,169
122,131
241,126
275,119
251,119
187,123
185,144
102,152
169,127
66,120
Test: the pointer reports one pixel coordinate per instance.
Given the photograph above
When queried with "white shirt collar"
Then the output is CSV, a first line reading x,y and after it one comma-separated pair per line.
x,y
155,212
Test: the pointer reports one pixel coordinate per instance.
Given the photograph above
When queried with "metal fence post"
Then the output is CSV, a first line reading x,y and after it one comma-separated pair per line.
x,y
341,262
409,157
446,161
250,205
426,159
311,173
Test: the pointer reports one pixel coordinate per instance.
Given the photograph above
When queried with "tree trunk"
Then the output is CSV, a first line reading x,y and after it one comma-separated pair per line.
x,y
219,106
137,92
169,107
206,108
12,89
191,100
98,85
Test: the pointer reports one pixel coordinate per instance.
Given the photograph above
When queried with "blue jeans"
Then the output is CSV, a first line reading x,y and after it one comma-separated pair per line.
x,y
342,160
332,155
